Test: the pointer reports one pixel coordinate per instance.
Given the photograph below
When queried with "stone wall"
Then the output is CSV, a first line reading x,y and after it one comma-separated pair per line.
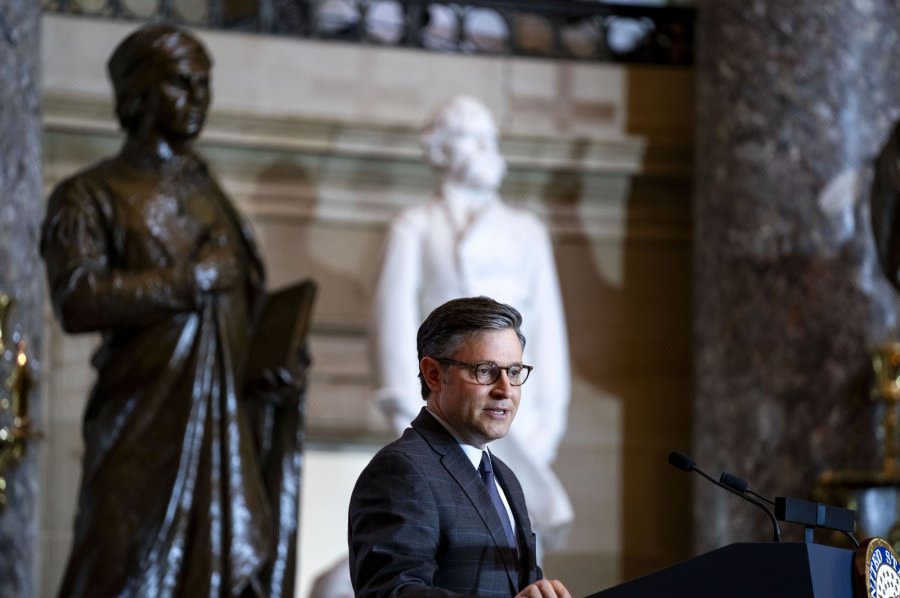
x,y
796,98
20,269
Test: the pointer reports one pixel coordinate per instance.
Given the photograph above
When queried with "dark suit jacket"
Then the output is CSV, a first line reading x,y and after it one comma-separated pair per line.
x,y
422,523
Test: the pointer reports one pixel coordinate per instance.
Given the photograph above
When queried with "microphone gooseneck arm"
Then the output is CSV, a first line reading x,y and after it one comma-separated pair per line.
x,y
742,486
685,463
776,530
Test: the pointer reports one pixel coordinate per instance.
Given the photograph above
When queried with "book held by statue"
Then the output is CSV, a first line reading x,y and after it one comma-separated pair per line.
x,y
281,329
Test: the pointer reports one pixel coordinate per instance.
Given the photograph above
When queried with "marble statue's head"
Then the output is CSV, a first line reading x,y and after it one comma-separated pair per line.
x,y
160,75
460,141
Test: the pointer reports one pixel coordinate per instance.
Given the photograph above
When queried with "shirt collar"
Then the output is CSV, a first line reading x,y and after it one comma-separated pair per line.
x,y
472,452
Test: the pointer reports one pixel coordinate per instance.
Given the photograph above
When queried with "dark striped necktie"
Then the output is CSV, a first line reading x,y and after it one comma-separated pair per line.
x,y
487,476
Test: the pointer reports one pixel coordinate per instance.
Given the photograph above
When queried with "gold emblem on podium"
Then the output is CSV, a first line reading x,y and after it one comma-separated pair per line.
x,y
876,570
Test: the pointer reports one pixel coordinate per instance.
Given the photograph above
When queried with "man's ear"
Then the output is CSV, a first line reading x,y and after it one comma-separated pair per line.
x,y
432,373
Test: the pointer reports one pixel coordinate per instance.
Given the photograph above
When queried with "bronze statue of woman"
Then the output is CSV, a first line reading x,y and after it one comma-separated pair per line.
x,y
145,248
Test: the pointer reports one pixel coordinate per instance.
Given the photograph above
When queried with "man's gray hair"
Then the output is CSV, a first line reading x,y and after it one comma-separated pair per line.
x,y
451,324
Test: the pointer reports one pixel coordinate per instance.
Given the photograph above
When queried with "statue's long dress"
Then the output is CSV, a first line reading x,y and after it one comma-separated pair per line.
x,y
171,500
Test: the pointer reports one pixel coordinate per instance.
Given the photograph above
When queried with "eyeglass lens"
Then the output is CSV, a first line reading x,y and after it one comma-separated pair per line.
x,y
488,373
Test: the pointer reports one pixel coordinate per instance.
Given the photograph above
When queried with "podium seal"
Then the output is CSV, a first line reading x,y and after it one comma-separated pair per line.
x,y
876,570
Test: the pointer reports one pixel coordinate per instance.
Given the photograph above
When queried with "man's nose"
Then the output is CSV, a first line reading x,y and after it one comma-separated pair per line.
x,y
503,384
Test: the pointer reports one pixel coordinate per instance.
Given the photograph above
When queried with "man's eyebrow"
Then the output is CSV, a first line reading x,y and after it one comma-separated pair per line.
x,y
487,361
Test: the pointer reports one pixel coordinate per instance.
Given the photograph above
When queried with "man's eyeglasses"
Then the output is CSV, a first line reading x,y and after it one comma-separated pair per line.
x,y
488,372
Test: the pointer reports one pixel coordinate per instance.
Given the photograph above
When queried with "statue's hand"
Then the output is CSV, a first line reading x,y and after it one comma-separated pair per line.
x,y
280,386
290,379
215,267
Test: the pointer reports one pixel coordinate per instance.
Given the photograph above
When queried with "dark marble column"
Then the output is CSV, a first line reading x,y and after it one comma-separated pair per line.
x,y
794,100
21,274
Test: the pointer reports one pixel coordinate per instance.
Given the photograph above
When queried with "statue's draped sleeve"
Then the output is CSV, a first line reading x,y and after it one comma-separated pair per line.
x,y
91,286
547,349
395,319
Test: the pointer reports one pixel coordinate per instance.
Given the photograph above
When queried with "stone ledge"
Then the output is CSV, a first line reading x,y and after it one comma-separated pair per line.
x,y
632,155
375,171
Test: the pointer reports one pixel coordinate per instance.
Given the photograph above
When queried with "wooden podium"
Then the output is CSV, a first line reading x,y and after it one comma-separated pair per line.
x,y
750,570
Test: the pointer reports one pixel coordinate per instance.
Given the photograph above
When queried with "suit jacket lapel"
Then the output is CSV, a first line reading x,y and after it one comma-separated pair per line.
x,y
523,524
460,468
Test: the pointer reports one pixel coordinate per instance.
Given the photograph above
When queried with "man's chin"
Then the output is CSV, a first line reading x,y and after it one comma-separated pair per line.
x,y
496,431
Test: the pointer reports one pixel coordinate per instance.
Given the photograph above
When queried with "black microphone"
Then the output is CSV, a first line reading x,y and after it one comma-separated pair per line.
x,y
814,515
741,486
685,463
681,461
794,510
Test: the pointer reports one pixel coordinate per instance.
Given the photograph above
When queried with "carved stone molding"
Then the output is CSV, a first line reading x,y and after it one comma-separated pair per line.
x,y
597,189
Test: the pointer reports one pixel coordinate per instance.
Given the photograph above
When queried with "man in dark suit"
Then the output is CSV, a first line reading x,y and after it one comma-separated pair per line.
x,y
434,513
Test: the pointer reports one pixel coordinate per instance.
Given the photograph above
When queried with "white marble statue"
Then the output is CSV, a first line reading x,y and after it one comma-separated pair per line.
x,y
465,242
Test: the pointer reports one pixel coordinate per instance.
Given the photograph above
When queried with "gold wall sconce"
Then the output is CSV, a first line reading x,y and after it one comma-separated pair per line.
x,y
15,423
875,494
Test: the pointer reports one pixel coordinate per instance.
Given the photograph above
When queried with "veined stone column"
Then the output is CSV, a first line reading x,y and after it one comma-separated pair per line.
x,y
794,100
21,273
